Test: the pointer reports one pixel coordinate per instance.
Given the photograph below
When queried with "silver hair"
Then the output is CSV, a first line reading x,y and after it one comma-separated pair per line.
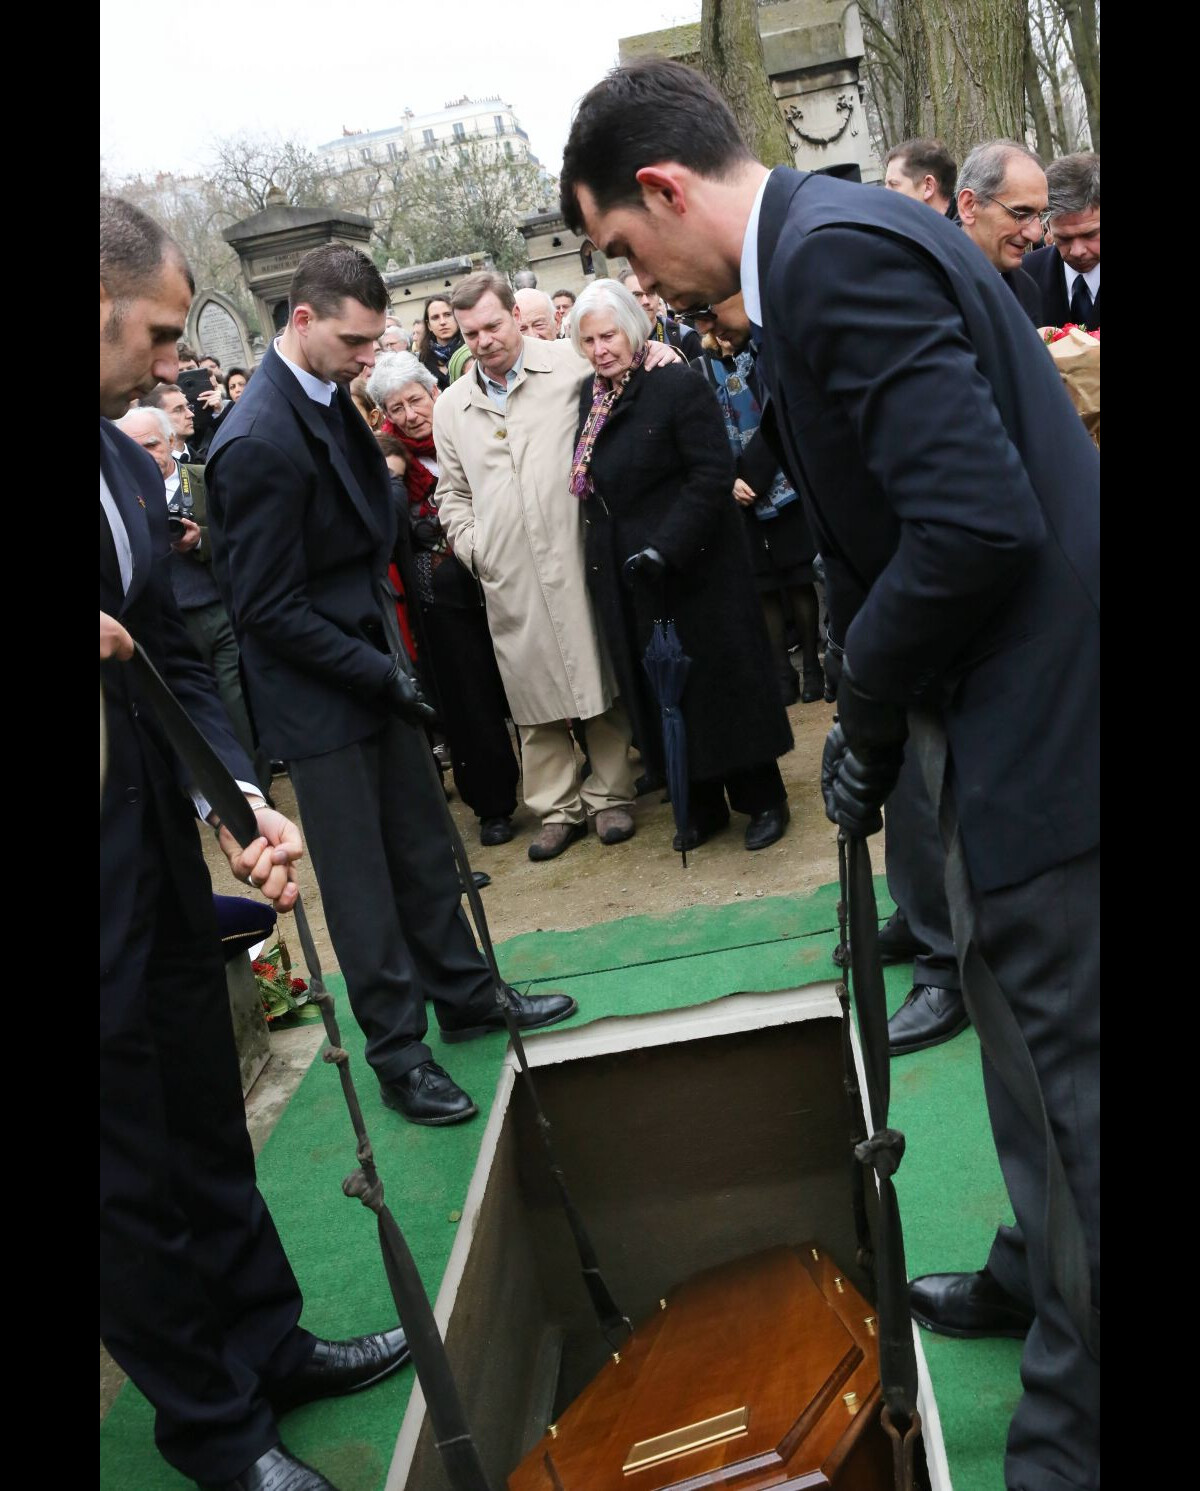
x,y
547,303
165,428
394,371
524,279
984,170
1073,184
613,296
396,330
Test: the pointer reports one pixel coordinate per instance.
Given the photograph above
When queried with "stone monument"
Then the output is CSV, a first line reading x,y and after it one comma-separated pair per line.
x,y
216,329
814,51
271,244
413,285
560,259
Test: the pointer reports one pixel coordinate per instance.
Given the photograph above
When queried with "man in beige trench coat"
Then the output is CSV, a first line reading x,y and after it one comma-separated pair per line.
x,y
505,435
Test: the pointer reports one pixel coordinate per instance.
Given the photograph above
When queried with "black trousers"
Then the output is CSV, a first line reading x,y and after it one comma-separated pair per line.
x,y
198,1303
1042,941
752,790
376,830
915,863
473,707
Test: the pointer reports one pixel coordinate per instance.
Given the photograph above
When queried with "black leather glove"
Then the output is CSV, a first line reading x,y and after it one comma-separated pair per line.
x,y
649,563
402,694
862,757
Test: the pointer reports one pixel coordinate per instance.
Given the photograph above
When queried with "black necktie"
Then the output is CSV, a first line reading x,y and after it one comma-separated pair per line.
x,y
337,424
1081,302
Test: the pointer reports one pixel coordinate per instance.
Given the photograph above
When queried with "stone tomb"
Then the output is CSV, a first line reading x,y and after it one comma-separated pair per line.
x,y
688,1138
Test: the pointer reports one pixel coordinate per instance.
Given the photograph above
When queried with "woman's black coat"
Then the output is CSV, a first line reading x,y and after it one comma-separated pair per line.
x,y
663,475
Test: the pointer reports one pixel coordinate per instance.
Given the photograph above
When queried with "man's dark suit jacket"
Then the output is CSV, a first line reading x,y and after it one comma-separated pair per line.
x,y
1046,268
1028,294
141,765
300,548
955,497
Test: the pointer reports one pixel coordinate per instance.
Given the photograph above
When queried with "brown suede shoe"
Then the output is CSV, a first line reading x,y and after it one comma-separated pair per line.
x,y
614,825
552,838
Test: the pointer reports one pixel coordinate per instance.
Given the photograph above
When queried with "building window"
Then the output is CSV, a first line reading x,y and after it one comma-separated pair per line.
x,y
428,134
460,131
391,150
499,121
508,150
365,152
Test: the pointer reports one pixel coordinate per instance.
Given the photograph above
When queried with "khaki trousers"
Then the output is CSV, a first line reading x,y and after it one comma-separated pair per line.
x,y
550,769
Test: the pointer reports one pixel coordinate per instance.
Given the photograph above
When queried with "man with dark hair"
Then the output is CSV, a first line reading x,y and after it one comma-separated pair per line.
x,y
563,301
1068,270
1001,206
187,358
198,1303
924,170
304,528
663,328
955,495
173,402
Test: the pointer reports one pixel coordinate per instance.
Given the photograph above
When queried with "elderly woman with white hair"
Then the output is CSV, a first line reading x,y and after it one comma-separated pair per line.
x,y
654,471
451,622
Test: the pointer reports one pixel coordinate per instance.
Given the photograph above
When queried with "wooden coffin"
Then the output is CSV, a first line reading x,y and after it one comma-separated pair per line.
x,y
761,1373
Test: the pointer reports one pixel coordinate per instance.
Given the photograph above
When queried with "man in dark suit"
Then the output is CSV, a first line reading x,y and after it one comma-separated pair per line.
x,y
955,498
1067,271
198,1301
1001,203
304,527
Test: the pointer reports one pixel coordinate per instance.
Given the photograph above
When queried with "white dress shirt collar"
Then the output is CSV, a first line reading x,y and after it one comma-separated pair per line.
x,y
1091,279
316,388
751,295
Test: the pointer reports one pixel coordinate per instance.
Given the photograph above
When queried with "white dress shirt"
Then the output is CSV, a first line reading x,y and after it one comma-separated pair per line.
x,y
316,388
751,295
1091,279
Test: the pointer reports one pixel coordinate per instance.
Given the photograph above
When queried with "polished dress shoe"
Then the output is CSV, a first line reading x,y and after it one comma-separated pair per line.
x,y
277,1470
553,838
340,1367
767,827
531,1012
427,1095
699,830
814,685
896,943
927,1017
967,1305
495,831
648,782
480,878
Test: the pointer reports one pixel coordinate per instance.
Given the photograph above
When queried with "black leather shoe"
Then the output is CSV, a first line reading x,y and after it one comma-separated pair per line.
x,y
927,1017
532,1011
495,831
967,1305
767,827
340,1367
698,831
789,687
896,943
277,1470
480,878
427,1095
814,685
648,782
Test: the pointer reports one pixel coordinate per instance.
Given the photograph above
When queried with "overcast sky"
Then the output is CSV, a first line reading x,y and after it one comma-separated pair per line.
x,y
172,80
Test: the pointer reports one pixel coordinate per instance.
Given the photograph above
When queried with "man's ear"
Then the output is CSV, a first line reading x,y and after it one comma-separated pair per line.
x,y
666,183
303,317
966,206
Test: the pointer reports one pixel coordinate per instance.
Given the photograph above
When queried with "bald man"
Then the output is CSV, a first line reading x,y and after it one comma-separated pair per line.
x,y
535,315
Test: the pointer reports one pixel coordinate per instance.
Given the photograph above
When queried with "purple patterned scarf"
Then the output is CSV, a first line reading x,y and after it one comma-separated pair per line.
x,y
604,396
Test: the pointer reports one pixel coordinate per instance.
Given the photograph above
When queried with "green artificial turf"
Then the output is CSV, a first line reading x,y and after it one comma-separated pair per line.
x,y
951,1192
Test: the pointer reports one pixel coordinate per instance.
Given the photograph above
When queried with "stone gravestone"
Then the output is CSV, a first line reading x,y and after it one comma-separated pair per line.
x,y
215,329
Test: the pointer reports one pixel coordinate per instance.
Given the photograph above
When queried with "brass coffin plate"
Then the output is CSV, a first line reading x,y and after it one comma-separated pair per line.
x,y
691,1437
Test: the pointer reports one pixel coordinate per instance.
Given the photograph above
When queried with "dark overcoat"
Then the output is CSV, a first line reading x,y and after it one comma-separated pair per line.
x,y
955,501
663,476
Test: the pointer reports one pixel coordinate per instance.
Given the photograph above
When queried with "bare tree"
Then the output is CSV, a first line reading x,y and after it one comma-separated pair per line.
x,y
731,57
246,167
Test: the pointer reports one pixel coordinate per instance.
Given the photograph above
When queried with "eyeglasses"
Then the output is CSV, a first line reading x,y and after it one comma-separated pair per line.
x,y
1021,219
